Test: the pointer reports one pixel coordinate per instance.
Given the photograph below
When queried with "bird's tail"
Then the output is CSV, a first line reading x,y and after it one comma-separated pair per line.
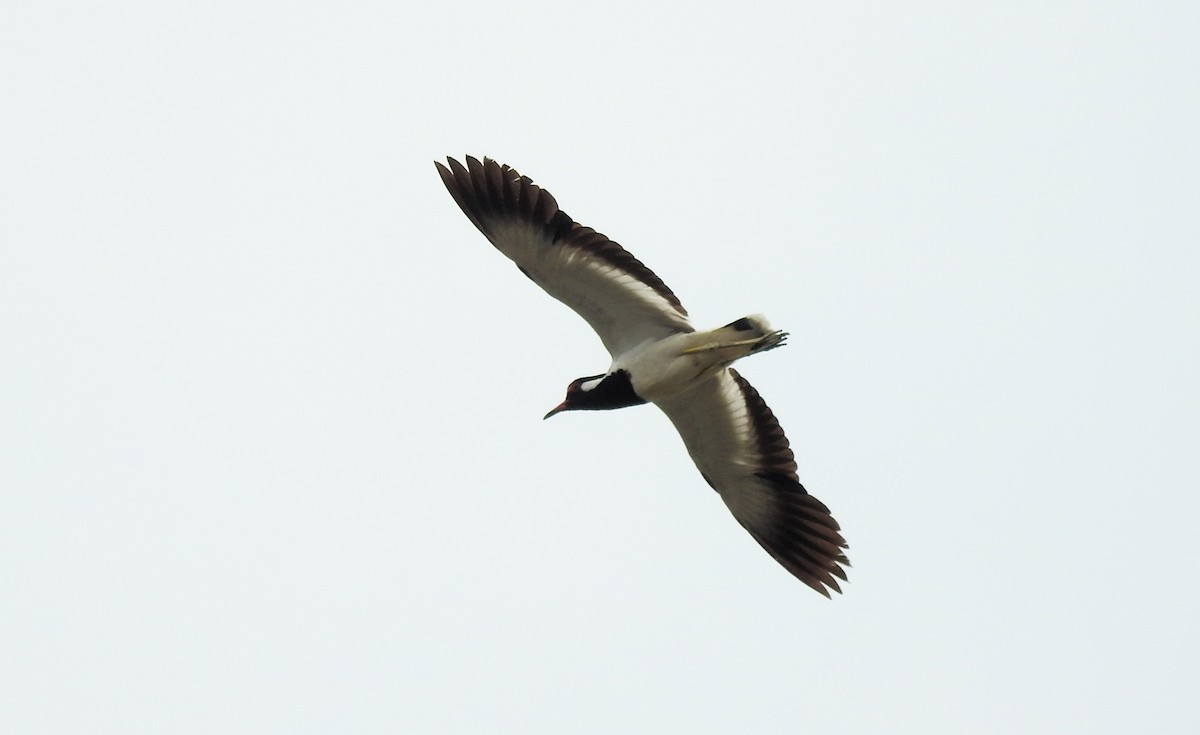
x,y
737,339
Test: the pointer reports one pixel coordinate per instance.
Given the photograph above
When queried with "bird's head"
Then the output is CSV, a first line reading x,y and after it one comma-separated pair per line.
x,y
580,394
598,393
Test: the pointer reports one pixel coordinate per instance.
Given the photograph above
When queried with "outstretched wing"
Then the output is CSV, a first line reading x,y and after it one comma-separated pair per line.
x,y
613,291
739,447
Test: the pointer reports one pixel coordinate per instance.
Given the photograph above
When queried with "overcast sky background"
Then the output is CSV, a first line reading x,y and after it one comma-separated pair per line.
x,y
271,449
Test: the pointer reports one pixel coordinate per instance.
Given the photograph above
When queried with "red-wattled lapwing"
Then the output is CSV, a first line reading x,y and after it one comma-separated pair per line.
x,y
659,357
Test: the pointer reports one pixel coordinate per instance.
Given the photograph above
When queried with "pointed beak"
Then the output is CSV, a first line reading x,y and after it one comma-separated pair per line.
x,y
560,407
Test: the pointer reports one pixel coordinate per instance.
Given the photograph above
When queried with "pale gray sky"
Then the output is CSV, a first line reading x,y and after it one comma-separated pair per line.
x,y
271,449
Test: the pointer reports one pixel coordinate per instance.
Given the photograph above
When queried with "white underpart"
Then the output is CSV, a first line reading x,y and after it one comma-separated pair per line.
x,y
660,369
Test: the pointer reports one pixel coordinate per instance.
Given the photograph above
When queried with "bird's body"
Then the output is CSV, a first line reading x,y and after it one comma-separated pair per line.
x,y
660,369
659,357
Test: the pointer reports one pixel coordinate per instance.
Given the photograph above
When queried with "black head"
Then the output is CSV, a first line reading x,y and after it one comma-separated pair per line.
x,y
599,393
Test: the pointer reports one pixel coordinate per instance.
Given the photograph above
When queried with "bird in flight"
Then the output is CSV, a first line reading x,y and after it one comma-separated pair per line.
x,y
658,357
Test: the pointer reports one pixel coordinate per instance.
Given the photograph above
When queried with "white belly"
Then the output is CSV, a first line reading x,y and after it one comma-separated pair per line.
x,y
662,368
